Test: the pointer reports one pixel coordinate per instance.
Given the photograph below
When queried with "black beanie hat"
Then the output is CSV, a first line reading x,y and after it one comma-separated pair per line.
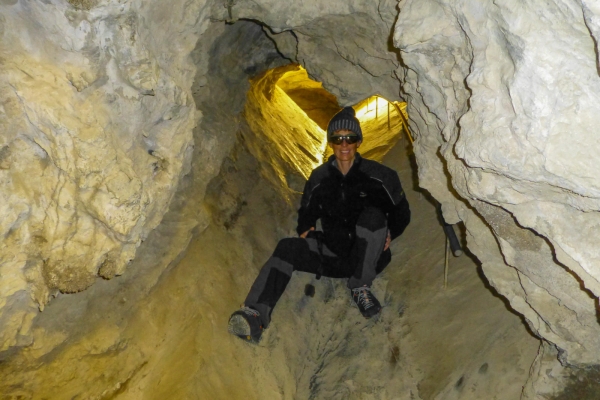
x,y
345,119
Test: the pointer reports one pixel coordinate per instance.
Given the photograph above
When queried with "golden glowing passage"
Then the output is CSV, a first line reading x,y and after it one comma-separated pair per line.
x,y
381,123
288,113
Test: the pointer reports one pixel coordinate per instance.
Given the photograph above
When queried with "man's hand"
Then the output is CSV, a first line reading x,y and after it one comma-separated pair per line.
x,y
388,240
303,236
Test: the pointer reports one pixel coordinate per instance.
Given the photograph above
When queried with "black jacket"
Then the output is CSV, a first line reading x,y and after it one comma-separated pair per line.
x,y
338,201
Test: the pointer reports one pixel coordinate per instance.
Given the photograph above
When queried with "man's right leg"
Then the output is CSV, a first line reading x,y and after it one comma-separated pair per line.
x,y
290,254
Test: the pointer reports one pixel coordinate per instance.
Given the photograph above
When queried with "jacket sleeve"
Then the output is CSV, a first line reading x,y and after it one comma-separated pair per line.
x,y
308,212
399,216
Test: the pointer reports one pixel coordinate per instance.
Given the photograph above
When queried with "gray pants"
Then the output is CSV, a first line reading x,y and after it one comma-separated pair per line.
x,y
361,266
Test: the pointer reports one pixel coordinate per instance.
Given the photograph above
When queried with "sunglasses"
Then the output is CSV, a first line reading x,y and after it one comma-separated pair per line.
x,y
350,139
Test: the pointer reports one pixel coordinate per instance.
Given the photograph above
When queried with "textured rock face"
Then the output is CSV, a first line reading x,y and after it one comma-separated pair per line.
x,y
91,343
507,94
288,142
95,120
100,103
346,45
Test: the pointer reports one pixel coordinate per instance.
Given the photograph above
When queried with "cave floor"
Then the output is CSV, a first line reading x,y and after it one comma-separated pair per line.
x,y
429,342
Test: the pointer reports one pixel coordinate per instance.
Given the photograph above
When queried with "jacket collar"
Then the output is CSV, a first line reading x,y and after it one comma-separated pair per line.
x,y
333,163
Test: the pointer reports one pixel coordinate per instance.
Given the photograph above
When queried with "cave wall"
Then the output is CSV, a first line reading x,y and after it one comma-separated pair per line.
x,y
115,114
92,343
315,34
502,101
99,132
96,134
288,143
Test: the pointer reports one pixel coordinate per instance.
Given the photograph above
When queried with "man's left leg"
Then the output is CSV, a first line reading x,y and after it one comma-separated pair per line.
x,y
367,253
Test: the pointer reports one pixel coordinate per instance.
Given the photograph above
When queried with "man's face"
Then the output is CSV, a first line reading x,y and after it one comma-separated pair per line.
x,y
344,151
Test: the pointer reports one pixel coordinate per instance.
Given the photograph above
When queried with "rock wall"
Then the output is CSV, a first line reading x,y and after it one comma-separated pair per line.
x,y
96,117
92,342
113,113
346,45
288,143
502,100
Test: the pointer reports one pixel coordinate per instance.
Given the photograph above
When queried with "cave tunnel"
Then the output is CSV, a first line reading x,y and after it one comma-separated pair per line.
x,y
150,163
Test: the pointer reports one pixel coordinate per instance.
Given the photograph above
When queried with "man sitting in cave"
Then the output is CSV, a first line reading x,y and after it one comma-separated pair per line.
x,y
362,208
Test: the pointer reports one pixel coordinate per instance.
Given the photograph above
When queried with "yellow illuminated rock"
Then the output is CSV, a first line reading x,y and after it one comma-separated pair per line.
x,y
289,113
290,141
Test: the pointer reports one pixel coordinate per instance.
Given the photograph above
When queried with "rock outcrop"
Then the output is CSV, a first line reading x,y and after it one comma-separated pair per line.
x,y
503,98
96,134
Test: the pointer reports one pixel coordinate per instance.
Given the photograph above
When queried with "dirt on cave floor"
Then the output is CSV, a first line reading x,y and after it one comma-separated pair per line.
x,y
429,342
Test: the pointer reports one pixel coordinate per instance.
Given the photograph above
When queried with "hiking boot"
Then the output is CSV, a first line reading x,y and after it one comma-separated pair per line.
x,y
366,301
245,323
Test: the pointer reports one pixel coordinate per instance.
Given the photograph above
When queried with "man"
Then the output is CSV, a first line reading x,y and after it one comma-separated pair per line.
x,y
362,207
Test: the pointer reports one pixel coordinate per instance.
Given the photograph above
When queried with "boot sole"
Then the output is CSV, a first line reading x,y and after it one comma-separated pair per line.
x,y
376,315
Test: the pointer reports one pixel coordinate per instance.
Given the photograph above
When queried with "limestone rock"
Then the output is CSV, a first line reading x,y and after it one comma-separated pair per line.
x,y
101,101
345,45
506,94
95,126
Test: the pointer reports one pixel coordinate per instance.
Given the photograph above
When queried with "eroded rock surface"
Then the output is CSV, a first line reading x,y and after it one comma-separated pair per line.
x,y
75,340
115,116
345,45
506,94
96,133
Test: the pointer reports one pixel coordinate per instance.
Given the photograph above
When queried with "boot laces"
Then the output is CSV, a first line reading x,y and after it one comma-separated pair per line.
x,y
363,297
